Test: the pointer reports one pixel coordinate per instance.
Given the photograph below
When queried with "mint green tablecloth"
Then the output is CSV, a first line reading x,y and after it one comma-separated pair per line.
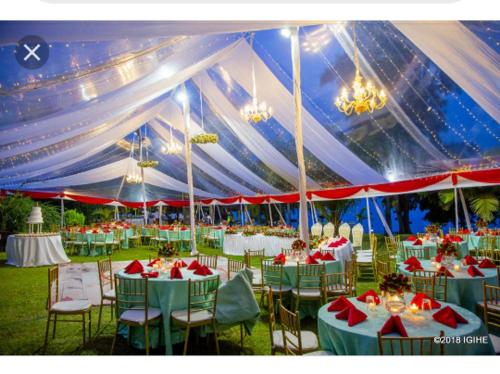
x,y
236,303
335,336
462,247
476,242
290,279
463,289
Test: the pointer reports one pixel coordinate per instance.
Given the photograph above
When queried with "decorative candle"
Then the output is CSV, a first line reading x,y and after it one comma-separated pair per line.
x,y
438,265
456,267
414,308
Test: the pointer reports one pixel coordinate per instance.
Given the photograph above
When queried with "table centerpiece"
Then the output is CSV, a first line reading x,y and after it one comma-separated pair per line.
x,y
393,290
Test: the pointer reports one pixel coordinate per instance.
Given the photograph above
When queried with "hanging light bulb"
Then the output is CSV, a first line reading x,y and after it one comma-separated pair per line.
x,y
364,97
133,178
172,147
254,112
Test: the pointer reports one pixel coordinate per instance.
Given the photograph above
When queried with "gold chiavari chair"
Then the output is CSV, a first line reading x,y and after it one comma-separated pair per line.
x,y
308,287
382,269
334,285
431,283
132,308
286,251
351,268
420,252
202,306
275,335
414,346
234,266
420,235
56,308
106,286
248,258
491,312
272,280
117,239
391,248
136,237
209,261
295,341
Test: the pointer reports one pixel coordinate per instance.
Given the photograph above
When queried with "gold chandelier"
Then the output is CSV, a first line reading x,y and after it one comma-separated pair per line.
x,y
254,112
172,147
364,98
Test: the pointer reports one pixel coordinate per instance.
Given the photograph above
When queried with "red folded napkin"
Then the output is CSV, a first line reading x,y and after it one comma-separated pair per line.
x,y
280,259
487,264
469,260
317,255
194,265
153,262
175,273
474,271
180,264
95,231
369,293
442,270
412,268
352,315
82,230
447,316
456,239
134,267
419,298
479,233
203,270
311,261
439,257
394,324
153,274
333,244
411,238
327,257
412,261
107,231
417,242
343,240
339,304
183,228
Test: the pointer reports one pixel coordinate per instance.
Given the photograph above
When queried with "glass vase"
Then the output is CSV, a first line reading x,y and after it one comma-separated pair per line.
x,y
394,302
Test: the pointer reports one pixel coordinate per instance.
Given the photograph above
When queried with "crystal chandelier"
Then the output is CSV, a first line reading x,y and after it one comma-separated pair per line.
x,y
133,178
172,147
254,112
364,97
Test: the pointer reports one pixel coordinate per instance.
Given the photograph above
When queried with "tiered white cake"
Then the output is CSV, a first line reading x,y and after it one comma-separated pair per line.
x,y
36,215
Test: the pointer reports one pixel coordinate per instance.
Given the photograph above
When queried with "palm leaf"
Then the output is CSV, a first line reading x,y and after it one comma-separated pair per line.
x,y
485,206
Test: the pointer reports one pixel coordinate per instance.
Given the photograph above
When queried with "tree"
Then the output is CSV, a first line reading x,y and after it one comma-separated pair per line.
x,y
334,210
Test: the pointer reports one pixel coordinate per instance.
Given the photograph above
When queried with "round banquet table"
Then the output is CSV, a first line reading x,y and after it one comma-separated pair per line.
x,y
343,253
335,336
168,295
462,247
475,241
236,244
35,250
462,289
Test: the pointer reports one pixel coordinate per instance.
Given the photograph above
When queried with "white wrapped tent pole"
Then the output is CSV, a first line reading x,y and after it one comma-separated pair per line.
x,y
382,219
279,213
143,183
368,215
62,211
242,219
270,214
187,150
299,144
455,201
466,212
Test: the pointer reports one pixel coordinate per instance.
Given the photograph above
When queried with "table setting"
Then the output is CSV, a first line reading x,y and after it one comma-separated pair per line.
x,y
431,245
349,326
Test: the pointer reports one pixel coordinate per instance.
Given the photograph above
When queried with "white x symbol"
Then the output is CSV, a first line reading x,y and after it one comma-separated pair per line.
x,y
31,52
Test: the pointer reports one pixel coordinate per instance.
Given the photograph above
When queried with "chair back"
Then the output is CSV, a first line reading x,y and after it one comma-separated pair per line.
x,y
270,315
491,306
414,346
357,235
105,269
210,261
382,268
131,294
248,255
374,245
53,294
99,238
329,230
202,295
272,274
345,231
316,229
286,251
234,266
419,252
335,284
290,327
173,235
81,237
309,277
431,283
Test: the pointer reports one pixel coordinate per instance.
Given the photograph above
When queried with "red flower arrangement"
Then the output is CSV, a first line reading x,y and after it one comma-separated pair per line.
x,y
299,245
395,283
447,248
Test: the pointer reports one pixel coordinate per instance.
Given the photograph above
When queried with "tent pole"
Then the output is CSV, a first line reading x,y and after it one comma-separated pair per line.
x,y
161,212
189,166
62,212
270,214
455,200
382,218
299,143
144,207
369,216
280,215
242,221
220,215
466,212
116,213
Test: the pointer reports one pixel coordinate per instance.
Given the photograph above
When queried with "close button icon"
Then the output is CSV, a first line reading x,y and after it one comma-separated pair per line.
x,y
32,52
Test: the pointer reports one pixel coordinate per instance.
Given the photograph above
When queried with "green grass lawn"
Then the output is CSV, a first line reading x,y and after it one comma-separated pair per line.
x,y
23,317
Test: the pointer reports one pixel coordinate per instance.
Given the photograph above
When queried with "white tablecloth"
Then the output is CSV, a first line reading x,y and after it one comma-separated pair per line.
x,y
29,251
235,244
342,253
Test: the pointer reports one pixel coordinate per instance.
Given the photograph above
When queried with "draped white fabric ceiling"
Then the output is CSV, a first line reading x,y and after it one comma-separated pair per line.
x,y
70,124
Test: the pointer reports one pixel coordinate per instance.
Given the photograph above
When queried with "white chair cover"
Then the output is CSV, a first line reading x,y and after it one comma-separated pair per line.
x,y
329,230
316,229
357,236
345,230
